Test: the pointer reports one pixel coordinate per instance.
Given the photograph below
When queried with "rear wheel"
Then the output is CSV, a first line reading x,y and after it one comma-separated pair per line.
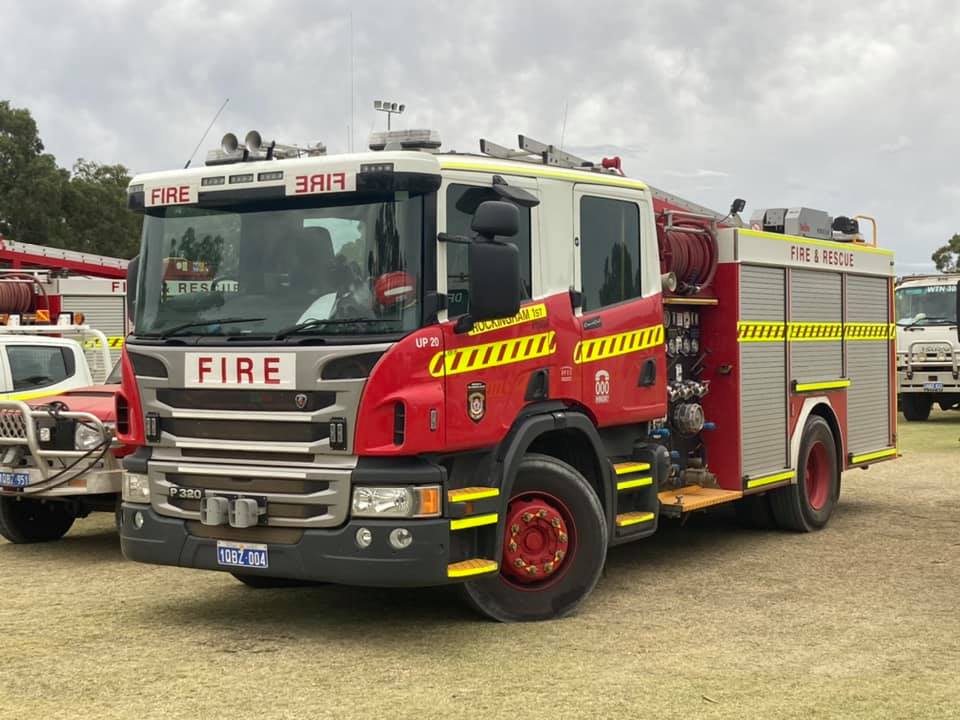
x,y
915,407
808,504
265,582
554,547
30,521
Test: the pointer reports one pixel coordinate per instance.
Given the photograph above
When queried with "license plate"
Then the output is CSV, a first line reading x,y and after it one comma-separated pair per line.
x,y
933,387
247,555
14,479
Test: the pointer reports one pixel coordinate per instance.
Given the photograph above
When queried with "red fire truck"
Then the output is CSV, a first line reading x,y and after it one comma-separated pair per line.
x,y
484,369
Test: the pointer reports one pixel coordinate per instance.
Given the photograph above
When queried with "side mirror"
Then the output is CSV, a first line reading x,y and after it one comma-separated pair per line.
x,y
495,217
494,280
956,319
133,269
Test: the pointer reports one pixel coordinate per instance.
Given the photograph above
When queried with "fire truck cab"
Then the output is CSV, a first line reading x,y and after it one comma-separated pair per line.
x,y
412,367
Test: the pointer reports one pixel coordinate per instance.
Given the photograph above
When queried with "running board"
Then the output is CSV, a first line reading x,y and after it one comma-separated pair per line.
x,y
468,568
694,497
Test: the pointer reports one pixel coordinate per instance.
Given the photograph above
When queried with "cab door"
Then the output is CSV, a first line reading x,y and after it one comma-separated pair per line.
x,y
621,354
487,369
44,368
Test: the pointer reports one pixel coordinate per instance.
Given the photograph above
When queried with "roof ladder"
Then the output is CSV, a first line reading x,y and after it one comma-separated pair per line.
x,y
535,151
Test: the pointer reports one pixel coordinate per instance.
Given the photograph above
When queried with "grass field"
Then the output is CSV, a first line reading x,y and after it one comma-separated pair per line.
x,y
704,621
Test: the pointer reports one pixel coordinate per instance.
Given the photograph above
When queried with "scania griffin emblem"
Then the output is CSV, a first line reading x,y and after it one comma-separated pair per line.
x,y
301,400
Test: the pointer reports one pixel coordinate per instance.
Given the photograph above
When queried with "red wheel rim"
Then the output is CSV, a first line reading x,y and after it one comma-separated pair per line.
x,y
539,540
816,476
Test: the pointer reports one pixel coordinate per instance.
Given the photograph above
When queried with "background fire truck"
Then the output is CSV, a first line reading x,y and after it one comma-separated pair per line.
x,y
572,358
928,346
58,460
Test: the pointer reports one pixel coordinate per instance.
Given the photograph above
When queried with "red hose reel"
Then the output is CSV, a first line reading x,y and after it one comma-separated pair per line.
x,y
688,249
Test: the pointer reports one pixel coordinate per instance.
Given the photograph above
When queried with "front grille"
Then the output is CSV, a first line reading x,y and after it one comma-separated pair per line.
x,y
248,485
248,400
246,456
253,430
12,425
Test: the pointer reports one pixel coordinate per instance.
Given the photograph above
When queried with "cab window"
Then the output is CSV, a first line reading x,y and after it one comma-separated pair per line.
x,y
462,203
36,366
610,251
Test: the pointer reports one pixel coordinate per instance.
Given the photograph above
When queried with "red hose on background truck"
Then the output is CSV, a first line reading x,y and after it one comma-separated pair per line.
x,y
410,367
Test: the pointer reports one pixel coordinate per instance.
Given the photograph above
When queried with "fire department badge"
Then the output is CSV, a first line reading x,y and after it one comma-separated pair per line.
x,y
301,400
477,400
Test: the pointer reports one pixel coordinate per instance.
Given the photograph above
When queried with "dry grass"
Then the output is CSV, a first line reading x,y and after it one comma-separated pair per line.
x,y
709,620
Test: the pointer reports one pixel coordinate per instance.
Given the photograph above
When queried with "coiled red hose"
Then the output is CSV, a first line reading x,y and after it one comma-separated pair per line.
x,y
691,253
17,291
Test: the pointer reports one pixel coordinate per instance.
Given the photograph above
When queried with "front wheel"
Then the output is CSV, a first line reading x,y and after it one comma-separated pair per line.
x,y
916,408
31,521
808,504
554,546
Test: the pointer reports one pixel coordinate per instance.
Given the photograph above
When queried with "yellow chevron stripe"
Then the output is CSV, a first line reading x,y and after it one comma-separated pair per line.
x,y
608,346
757,331
114,341
503,352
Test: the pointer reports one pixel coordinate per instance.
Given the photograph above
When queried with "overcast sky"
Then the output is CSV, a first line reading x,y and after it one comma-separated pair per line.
x,y
851,106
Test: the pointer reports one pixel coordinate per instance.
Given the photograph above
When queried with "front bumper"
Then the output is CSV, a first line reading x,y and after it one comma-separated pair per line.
x,y
921,376
93,482
327,555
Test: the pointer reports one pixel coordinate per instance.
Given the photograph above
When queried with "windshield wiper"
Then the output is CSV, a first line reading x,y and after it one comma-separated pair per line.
x,y
307,324
170,332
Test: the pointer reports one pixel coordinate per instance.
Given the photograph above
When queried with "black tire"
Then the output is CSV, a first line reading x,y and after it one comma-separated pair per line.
x,y
808,504
500,598
754,512
30,521
916,408
266,582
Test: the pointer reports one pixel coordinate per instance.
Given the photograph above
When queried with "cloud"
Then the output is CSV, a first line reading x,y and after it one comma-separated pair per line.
x,y
901,143
765,101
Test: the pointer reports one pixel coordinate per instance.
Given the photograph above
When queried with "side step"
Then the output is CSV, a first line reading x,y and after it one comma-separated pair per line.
x,y
475,566
634,518
694,497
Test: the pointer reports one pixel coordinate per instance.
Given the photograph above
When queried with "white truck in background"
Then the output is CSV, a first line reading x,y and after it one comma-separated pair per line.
x,y
928,344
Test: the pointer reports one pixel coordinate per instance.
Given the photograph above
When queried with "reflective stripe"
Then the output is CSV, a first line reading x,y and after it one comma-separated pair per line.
x,y
470,522
540,171
630,484
608,346
495,354
32,395
114,341
630,467
856,459
810,387
854,247
470,494
752,331
770,479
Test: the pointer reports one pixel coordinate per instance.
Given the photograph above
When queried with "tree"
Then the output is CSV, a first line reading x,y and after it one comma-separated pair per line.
x,y
95,211
947,258
31,184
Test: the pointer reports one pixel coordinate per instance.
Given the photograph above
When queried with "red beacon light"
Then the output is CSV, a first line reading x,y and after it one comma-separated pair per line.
x,y
612,163
395,288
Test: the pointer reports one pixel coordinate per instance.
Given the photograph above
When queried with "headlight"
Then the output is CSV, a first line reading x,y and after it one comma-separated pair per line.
x,y
393,502
136,488
87,437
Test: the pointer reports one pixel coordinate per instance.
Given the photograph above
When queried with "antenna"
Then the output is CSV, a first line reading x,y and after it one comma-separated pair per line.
x,y
204,136
353,104
563,129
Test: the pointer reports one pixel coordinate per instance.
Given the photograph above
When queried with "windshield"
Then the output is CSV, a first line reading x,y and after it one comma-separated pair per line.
x,y
347,265
937,304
